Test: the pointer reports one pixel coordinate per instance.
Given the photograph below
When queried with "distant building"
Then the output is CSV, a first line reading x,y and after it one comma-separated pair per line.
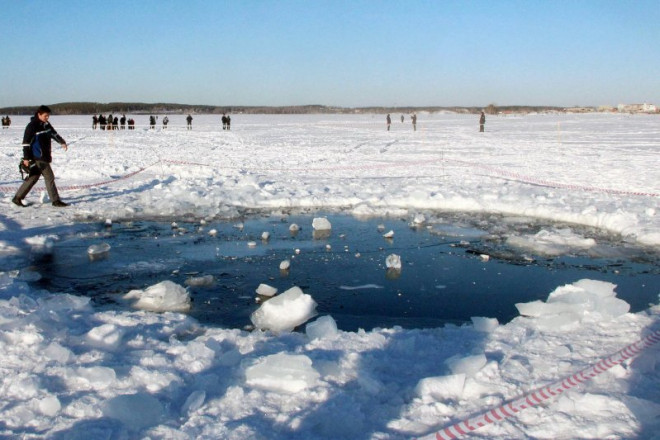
x,y
637,108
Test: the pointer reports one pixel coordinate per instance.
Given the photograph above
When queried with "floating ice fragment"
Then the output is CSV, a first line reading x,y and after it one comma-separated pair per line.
x,y
393,261
266,290
285,265
165,296
252,244
419,219
294,227
285,312
389,234
213,232
98,251
265,236
206,280
321,224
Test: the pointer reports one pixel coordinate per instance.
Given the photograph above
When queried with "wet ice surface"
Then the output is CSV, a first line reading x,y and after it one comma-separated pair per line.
x,y
453,267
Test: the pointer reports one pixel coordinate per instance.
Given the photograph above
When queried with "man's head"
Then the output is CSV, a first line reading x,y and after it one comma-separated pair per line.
x,y
43,113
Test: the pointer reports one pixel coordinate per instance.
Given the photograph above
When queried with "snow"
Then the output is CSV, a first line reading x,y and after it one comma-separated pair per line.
x,y
72,370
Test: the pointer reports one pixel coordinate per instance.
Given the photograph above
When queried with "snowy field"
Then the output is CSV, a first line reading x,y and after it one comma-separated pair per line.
x,y
70,371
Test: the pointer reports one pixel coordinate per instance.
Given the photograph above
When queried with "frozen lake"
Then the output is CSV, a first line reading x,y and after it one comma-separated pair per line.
x,y
454,266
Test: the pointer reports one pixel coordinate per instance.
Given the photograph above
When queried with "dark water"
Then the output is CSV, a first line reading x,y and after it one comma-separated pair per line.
x,y
444,277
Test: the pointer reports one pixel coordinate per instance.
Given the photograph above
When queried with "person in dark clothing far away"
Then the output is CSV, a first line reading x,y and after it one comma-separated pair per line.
x,y
389,121
37,156
189,120
482,122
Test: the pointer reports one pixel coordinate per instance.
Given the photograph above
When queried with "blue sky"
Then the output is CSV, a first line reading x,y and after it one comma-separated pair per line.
x,y
332,52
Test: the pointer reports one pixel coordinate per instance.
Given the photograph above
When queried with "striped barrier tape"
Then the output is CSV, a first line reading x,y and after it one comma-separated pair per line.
x,y
517,176
548,392
542,182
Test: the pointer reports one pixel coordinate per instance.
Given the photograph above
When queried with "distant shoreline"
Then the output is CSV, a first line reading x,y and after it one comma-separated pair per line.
x,y
91,108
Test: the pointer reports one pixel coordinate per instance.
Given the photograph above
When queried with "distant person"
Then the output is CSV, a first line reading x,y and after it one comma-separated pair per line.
x,y
224,121
115,123
37,157
228,122
95,122
102,122
131,124
402,118
108,123
122,122
389,121
414,121
165,121
189,121
482,122
6,122
152,122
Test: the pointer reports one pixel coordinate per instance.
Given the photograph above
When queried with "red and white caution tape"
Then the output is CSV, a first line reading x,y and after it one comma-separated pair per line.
x,y
548,392
542,182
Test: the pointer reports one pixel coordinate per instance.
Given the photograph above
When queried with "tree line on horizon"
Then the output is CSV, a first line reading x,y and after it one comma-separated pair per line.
x,y
94,108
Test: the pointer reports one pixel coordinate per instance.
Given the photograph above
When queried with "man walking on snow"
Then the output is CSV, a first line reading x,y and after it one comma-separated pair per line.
x,y
37,157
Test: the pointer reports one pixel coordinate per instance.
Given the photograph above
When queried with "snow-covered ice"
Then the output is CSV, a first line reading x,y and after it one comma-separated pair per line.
x,y
71,370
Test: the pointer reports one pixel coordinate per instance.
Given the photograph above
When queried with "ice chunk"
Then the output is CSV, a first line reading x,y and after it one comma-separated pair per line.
x,y
193,402
49,406
441,387
419,219
482,324
265,236
469,365
105,335
389,234
98,251
162,297
321,224
58,353
570,303
135,411
285,312
281,372
266,290
393,261
323,328
203,281
285,265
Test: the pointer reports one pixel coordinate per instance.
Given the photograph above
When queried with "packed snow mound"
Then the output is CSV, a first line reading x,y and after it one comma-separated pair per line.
x,y
285,312
571,303
283,373
165,296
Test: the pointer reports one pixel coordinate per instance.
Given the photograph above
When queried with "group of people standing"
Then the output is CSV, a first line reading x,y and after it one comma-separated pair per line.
x,y
112,122
6,121
413,119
